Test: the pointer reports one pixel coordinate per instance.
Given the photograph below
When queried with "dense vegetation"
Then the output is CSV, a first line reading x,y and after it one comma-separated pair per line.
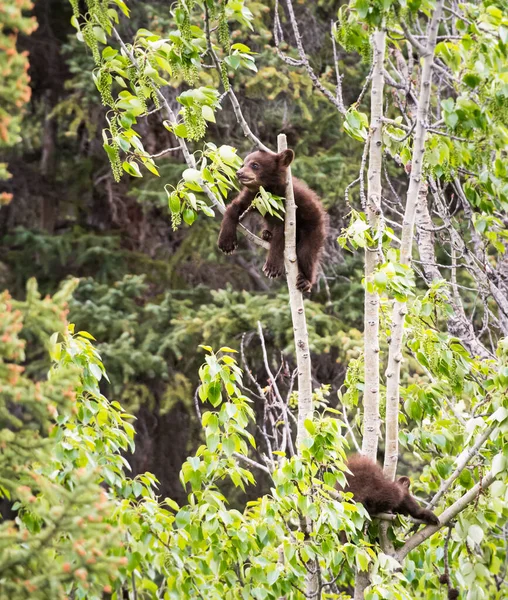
x,y
120,133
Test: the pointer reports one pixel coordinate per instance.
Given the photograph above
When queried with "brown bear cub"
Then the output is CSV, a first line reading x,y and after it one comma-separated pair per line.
x,y
269,170
369,486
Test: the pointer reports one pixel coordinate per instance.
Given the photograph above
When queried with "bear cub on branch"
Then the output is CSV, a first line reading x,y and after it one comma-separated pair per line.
x,y
378,494
269,170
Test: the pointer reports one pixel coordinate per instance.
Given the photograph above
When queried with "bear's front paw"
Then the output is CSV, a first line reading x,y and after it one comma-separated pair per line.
x,y
429,517
227,243
303,284
267,235
273,269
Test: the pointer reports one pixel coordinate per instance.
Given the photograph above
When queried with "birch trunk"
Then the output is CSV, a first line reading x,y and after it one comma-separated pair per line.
x,y
399,308
371,420
301,342
297,308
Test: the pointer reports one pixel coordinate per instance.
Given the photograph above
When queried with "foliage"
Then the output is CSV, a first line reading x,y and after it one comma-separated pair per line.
x,y
49,475
149,309
15,90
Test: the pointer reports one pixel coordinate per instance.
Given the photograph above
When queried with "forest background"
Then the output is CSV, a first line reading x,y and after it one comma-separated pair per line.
x,y
150,294
133,261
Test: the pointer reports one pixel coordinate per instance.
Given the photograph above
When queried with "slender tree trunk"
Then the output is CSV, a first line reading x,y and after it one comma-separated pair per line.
x,y
371,420
297,308
301,335
399,308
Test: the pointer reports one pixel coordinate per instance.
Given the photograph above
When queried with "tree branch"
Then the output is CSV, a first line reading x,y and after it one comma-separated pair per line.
x,y
301,335
234,100
189,158
335,100
462,461
445,517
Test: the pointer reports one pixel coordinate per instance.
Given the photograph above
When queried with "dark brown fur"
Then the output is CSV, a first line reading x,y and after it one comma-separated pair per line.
x,y
370,487
270,171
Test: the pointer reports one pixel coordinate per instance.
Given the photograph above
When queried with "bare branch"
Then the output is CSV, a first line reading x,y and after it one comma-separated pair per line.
x,y
234,101
251,463
166,151
421,49
335,100
338,76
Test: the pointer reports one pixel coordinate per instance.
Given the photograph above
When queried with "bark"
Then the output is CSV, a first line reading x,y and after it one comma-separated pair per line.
x,y
301,336
297,308
399,308
371,421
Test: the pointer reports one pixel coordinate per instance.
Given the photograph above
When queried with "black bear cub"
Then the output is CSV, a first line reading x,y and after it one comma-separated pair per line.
x,y
269,170
378,494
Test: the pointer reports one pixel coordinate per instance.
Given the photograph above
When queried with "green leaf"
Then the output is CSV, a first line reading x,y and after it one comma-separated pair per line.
x,y
228,446
174,203
240,48
132,168
152,168
191,175
233,61
100,34
189,216
475,532
180,130
310,426
208,113
498,464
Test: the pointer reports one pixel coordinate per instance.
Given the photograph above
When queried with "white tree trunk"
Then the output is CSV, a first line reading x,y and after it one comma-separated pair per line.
x,y
399,308
297,308
371,420
305,410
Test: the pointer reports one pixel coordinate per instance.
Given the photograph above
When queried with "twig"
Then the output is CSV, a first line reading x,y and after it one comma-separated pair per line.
x,y
189,158
234,101
338,76
335,100
251,462
166,151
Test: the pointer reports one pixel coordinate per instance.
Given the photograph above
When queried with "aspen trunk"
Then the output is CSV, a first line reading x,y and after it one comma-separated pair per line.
x,y
297,308
371,420
301,341
399,308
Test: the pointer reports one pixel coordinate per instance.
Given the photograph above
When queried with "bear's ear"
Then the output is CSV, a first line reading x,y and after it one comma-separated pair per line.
x,y
404,482
285,158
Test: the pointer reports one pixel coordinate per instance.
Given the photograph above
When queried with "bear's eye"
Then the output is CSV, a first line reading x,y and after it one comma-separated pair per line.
x,y
254,166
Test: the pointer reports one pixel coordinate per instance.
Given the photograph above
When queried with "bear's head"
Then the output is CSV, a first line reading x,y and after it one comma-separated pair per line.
x,y
266,169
